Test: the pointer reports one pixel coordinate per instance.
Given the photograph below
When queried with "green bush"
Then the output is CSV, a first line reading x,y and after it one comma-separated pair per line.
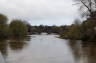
x,y
17,29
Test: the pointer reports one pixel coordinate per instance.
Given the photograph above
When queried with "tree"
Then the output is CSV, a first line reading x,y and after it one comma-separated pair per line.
x,y
73,31
17,29
3,26
88,30
90,5
88,27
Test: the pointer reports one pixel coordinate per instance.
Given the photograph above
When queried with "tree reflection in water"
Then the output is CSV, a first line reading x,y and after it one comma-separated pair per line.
x,y
77,50
85,52
3,47
17,44
90,51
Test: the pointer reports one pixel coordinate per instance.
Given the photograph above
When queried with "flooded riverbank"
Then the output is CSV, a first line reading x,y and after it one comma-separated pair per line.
x,y
46,49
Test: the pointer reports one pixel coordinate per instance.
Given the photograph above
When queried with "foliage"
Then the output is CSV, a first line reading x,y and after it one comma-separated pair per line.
x,y
17,29
3,26
73,32
86,31
46,29
89,30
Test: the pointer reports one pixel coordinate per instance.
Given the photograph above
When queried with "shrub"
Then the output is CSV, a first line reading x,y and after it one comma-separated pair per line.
x,y
17,29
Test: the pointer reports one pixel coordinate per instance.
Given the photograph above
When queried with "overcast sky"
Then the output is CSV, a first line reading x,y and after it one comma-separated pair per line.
x,y
36,12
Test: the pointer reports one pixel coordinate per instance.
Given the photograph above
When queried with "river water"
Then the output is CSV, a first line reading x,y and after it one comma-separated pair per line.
x,y
46,49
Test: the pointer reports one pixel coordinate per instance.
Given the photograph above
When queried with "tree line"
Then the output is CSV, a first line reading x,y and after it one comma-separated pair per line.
x,y
85,31
46,29
16,29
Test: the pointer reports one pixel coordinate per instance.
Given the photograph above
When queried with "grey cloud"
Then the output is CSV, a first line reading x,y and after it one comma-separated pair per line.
x,y
40,11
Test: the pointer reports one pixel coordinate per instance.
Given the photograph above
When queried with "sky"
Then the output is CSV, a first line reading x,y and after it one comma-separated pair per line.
x,y
37,12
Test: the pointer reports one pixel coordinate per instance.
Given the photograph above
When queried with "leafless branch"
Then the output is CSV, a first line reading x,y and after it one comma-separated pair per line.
x,y
86,6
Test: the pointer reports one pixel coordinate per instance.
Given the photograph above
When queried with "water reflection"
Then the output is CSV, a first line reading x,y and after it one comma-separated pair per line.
x,y
90,51
76,48
17,44
84,52
3,47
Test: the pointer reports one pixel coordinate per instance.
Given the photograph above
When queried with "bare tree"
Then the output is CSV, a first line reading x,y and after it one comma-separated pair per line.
x,y
90,5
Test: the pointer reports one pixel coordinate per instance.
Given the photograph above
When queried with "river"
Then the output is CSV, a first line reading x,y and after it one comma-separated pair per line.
x,y
45,49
